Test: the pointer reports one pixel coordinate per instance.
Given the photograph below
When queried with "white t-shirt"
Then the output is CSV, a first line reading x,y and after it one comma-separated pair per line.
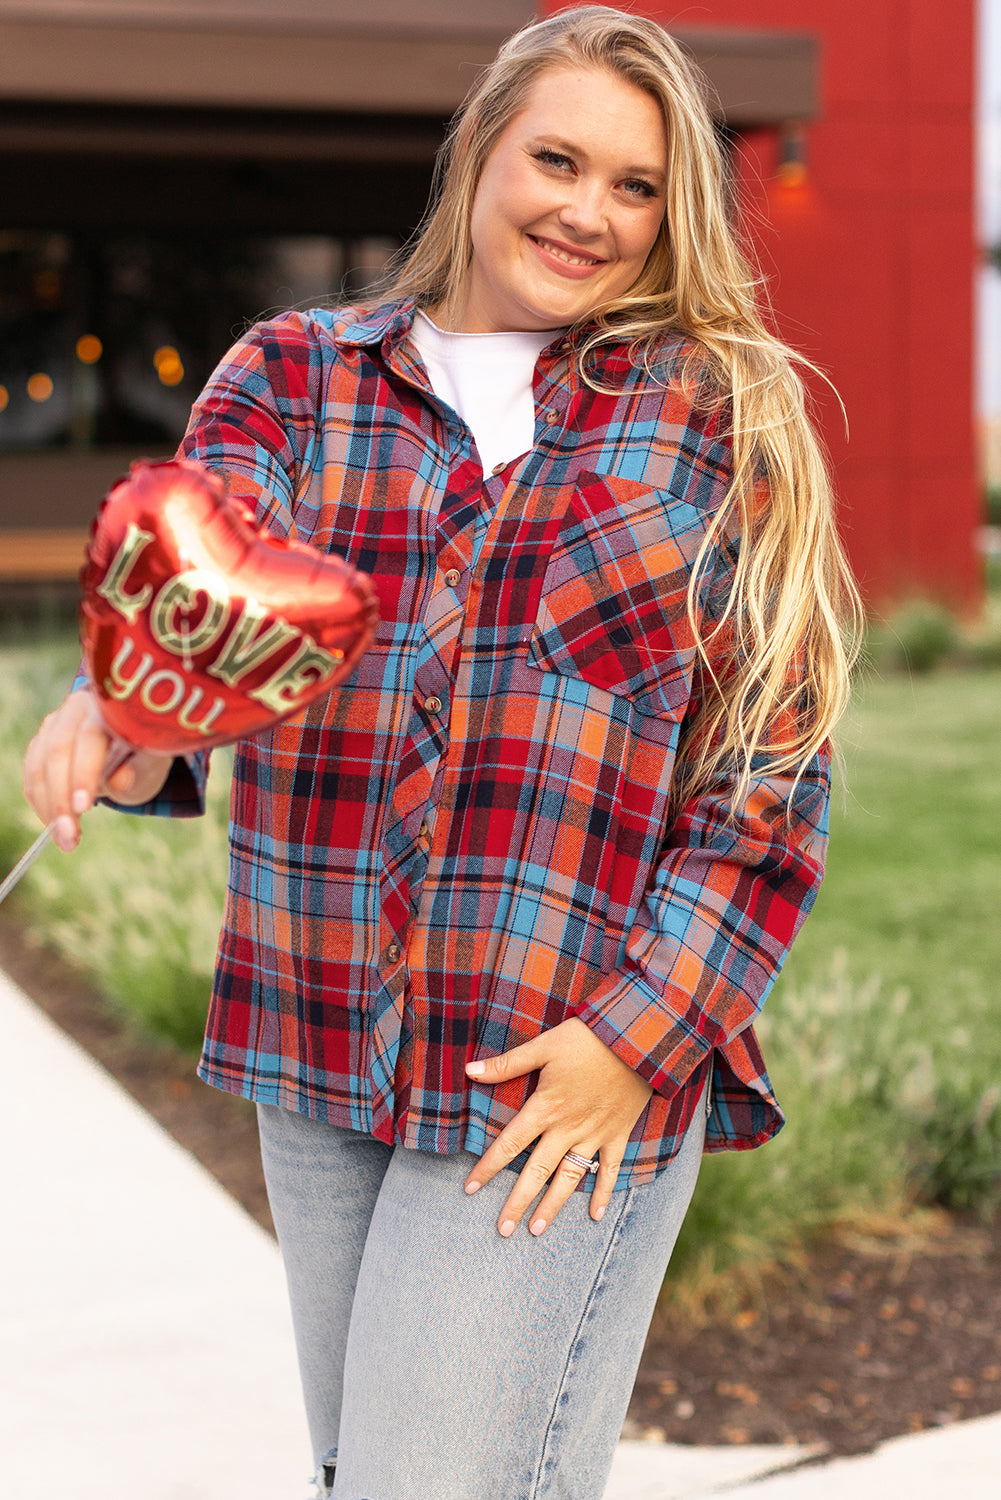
x,y
487,379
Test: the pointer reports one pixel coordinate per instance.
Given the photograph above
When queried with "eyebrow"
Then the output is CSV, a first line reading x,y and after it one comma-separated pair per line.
x,y
654,173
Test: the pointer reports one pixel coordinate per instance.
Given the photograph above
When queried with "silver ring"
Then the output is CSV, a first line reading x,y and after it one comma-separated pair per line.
x,y
582,1161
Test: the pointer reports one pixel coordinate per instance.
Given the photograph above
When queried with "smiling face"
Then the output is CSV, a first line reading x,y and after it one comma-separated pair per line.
x,y
568,206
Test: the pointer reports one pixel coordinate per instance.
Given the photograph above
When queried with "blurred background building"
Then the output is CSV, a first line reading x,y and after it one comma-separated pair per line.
x,y
988,223
172,169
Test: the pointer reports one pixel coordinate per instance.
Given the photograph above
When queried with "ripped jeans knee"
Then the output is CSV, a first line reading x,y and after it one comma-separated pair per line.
x,y
324,1480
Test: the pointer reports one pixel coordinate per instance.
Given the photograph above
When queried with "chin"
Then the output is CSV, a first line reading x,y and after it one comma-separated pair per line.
x,y
559,311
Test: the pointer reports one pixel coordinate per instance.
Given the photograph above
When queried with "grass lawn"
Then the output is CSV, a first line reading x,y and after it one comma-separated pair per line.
x,y
913,888
882,1035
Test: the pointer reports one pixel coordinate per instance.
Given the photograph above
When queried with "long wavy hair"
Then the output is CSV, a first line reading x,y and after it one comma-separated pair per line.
x,y
786,634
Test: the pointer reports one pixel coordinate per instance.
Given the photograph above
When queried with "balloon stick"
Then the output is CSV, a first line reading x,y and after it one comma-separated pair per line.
x,y
117,756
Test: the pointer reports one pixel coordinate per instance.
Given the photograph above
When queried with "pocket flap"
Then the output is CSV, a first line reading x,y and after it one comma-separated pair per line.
x,y
613,608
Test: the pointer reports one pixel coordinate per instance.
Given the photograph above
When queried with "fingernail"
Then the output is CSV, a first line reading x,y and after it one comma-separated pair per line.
x,y
507,1228
473,1187
537,1226
64,833
476,1070
598,1213
80,801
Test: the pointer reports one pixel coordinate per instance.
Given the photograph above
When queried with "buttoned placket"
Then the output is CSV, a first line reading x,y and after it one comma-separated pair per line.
x,y
445,621
457,547
433,697
514,499
556,383
405,856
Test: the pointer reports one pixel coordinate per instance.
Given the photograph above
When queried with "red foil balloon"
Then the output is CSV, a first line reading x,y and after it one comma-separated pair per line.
x,y
199,627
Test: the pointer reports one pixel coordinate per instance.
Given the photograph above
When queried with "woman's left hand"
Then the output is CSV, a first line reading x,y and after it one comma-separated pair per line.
x,y
587,1101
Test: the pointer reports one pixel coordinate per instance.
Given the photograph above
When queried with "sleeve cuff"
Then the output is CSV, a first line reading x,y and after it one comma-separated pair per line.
x,y
181,796
635,1021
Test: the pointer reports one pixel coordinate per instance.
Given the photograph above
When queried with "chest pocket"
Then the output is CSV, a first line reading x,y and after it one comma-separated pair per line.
x,y
613,609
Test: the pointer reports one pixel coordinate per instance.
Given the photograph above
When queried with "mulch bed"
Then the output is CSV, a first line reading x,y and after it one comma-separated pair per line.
x,y
867,1345
869,1341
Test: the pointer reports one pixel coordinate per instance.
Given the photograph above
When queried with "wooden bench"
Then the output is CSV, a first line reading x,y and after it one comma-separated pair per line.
x,y
47,501
52,555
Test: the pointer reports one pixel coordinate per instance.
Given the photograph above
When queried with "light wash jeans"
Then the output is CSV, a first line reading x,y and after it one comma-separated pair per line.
x,y
440,1361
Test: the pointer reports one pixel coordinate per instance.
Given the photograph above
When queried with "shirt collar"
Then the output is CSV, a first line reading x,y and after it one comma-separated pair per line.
x,y
389,324
365,326
392,321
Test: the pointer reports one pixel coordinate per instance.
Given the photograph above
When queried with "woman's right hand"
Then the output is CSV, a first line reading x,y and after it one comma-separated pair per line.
x,y
64,766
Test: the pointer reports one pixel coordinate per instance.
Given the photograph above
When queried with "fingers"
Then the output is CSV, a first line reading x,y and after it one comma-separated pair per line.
x,y
64,768
605,1179
547,1171
514,1063
586,1101
63,763
121,781
563,1178
512,1141
89,751
565,1182
139,779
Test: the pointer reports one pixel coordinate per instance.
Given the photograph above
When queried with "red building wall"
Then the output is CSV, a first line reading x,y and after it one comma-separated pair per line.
x,y
870,268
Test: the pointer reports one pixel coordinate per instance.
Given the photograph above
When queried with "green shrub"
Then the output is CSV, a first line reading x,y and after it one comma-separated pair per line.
x,y
920,636
137,906
982,641
959,1161
992,504
832,1052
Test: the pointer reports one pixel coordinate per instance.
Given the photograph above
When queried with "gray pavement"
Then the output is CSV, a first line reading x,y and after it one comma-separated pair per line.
x,y
145,1346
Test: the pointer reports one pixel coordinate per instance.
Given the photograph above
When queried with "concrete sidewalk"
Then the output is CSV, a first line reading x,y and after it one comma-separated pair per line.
x,y
145,1346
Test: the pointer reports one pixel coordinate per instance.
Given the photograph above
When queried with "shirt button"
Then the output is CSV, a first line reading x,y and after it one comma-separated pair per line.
x,y
552,416
452,578
433,705
393,953
425,830
498,468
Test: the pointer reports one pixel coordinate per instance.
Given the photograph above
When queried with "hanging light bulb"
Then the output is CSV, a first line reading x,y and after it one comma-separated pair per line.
x,y
792,171
40,386
89,348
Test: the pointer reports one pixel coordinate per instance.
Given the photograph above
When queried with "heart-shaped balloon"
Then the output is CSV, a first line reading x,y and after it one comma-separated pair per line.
x,y
198,627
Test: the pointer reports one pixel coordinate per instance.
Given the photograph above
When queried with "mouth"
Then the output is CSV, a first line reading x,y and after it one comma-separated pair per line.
x,y
568,256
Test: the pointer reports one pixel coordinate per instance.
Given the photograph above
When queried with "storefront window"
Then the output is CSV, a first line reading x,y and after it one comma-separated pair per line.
x,y
106,340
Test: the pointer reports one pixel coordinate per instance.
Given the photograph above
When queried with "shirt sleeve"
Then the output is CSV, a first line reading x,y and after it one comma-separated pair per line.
x,y
732,887
255,424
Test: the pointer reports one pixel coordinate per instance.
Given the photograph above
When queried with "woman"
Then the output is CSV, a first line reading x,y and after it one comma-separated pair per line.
x,y
503,909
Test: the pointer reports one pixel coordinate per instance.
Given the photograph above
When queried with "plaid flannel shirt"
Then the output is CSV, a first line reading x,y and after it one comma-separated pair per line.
x,y
468,841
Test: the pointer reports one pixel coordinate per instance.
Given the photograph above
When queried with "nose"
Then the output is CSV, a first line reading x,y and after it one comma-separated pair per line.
x,y
584,210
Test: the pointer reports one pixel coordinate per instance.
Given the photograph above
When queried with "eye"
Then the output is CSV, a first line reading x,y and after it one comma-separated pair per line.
x,y
550,158
638,187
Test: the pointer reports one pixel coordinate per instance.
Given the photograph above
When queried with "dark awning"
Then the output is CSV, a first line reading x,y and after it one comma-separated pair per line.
x,y
318,55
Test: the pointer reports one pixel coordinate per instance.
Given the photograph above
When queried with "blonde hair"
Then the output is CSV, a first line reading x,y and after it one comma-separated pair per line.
x,y
786,632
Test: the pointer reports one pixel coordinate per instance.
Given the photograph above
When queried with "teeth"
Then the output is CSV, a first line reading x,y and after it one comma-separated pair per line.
x,y
571,260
